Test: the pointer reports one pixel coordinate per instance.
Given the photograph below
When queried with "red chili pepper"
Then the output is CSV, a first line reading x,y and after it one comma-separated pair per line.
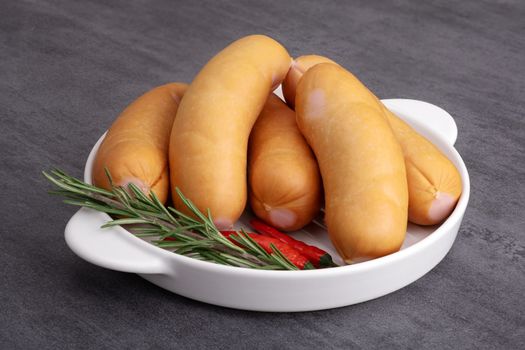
x,y
265,242
317,256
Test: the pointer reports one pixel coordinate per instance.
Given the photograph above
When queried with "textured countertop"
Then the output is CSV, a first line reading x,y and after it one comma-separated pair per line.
x,y
68,68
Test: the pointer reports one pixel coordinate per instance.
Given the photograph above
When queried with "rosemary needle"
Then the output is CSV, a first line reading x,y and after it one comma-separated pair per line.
x,y
195,236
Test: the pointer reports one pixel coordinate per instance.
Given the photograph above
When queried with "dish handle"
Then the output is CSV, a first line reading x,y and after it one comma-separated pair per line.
x,y
112,248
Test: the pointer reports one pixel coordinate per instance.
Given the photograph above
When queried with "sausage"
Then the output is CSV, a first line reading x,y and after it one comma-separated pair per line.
x,y
135,149
434,183
361,163
283,176
208,147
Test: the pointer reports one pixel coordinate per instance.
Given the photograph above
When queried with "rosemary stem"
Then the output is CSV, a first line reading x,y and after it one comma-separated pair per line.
x,y
159,222
130,205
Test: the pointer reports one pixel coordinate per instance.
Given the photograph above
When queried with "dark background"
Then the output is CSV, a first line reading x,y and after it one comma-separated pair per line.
x,y
68,68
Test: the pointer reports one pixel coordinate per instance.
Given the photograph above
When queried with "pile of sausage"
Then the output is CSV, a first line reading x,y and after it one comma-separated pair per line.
x,y
226,138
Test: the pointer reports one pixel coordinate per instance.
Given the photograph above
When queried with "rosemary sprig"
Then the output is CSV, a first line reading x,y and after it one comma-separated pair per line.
x,y
195,236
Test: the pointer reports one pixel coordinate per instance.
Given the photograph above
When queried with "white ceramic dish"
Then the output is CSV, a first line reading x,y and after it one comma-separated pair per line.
x,y
281,291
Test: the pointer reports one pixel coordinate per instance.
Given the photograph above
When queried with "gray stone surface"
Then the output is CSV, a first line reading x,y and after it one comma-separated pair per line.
x,y
66,70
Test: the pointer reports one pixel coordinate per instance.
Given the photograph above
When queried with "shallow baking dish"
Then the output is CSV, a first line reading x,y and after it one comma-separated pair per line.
x,y
242,288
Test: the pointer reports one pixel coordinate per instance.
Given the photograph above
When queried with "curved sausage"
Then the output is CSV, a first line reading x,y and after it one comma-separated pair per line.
x,y
208,148
283,175
135,149
362,166
434,183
